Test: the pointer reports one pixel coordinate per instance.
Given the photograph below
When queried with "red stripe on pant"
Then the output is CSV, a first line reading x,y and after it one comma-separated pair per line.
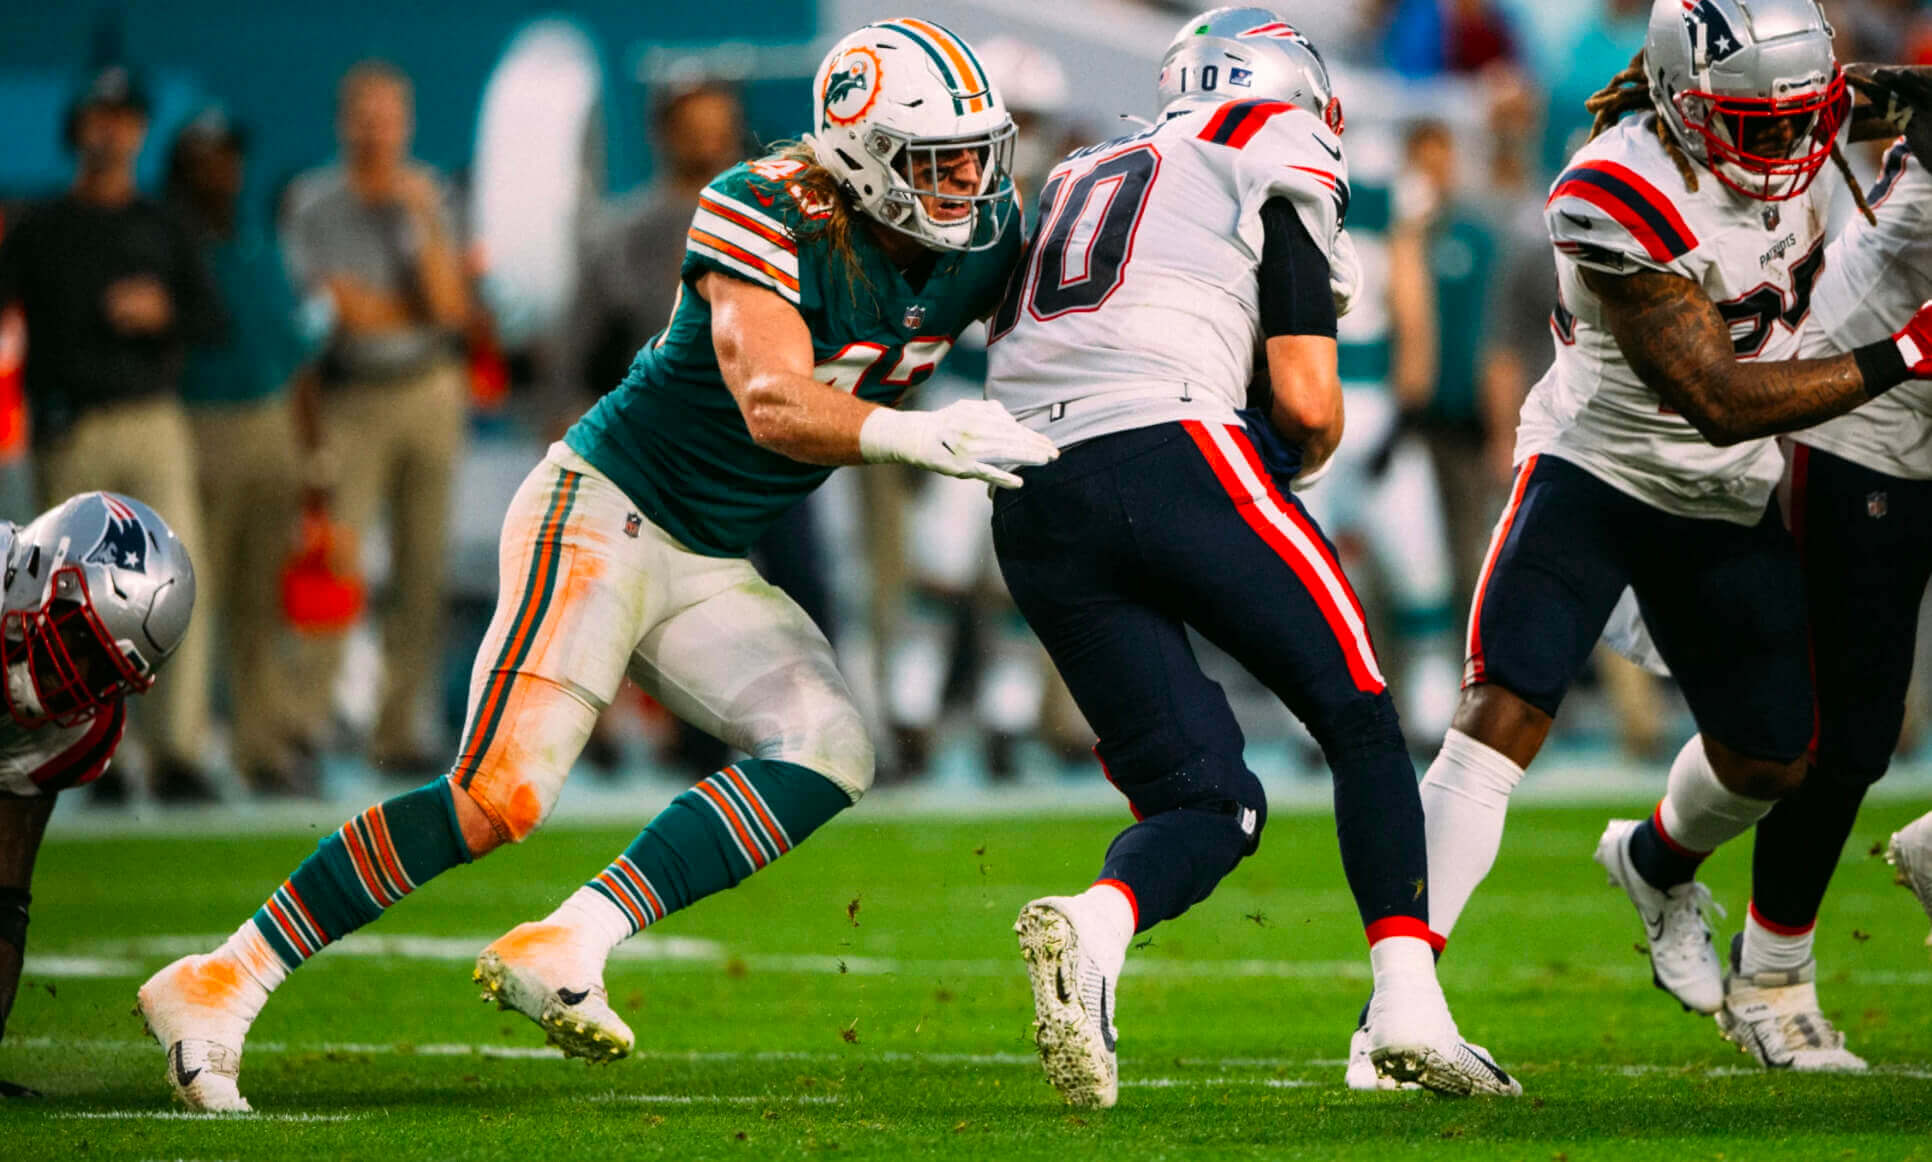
x,y
1473,667
1389,926
1309,569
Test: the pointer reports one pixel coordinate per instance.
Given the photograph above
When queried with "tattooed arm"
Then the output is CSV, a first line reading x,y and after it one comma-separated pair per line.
x,y
1681,348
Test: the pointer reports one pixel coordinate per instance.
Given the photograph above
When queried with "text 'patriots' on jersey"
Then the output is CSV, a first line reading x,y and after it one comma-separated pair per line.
x,y
1137,301
1621,207
671,435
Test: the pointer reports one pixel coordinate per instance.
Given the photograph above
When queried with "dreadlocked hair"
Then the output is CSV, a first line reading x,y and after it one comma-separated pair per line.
x,y
1629,92
820,187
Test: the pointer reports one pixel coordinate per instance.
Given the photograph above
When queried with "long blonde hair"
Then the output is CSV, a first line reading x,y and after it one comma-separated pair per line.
x,y
820,187
1629,92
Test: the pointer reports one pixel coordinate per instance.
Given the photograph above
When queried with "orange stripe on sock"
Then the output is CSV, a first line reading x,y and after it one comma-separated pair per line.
x,y
296,899
771,827
385,847
635,879
289,930
365,868
623,898
731,816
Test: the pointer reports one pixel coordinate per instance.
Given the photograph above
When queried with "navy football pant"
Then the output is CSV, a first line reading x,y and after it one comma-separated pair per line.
x,y
1724,603
1865,540
1111,552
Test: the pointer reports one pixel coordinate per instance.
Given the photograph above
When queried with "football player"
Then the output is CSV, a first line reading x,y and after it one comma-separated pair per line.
x,y
1859,505
1688,240
97,595
820,282
1164,262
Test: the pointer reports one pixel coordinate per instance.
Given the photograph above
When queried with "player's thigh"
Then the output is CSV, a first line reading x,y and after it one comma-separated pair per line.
x,y
1066,549
1556,565
574,596
1726,608
1865,544
741,661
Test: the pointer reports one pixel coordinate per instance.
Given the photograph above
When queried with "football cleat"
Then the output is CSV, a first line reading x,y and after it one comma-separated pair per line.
x,y
1412,1038
1073,1004
1361,1074
1774,1016
545,972
1683,961
198,1009
1910,854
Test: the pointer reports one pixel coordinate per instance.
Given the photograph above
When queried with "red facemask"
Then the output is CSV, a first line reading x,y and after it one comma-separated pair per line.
x,y
1747,133
71,660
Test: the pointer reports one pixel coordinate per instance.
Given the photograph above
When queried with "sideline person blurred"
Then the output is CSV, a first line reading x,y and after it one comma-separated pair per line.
x,y
374,232
245,446
114,292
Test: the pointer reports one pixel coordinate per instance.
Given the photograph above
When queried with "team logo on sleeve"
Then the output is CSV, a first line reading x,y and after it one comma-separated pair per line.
x,y
124,544
851,86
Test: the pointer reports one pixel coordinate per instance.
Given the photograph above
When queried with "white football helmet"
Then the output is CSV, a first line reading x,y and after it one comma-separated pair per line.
x,y
893,101
1233,54
1749,88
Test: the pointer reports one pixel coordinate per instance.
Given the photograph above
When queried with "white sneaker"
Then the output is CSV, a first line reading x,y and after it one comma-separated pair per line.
x,y
1910,852
199,1009
1412,1038
1073,1003
1361,1073
1683,961
547,973
1774,1016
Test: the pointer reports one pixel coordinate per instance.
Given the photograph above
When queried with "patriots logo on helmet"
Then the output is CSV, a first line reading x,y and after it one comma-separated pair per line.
x,y
124,543
1279,30
1711,36
851,86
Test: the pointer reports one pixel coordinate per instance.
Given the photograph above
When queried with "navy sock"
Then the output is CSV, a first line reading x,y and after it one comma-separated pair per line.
x,y
1661,863
1173,860
1798,845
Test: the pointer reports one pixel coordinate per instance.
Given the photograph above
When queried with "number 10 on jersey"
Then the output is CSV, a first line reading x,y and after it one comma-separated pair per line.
x,y
1078,256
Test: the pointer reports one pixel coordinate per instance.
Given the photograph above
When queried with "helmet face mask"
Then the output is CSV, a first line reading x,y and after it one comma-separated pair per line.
x,y
909,123
1750,88
69,667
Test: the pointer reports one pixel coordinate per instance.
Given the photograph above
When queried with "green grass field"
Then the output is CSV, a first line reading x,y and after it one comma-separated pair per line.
x,y
862,999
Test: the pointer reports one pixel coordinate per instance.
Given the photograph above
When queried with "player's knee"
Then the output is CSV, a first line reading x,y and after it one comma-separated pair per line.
x,y
832,740
1858,751
1206,783
13,917
1359,728
507,807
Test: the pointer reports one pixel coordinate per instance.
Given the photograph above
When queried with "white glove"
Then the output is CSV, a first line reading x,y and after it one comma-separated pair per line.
x,y
1344,273
975,439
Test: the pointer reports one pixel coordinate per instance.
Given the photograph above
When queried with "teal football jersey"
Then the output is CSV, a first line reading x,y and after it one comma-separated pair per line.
x,y
671,435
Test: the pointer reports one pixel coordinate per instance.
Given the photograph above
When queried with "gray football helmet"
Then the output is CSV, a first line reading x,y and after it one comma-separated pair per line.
x,y
1233,54
1749,88
98,593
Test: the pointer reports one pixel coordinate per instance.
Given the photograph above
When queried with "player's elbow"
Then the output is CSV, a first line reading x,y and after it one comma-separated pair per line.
x,y
767,416
1720,425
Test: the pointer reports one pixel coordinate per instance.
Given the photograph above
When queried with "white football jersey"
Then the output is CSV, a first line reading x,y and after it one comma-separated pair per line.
x,y
1137,301
1622,207
1875,280
46,759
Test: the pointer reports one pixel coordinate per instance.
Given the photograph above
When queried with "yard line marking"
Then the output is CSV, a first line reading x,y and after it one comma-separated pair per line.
x,y
685,1099
80,968
1209,1082
186,1116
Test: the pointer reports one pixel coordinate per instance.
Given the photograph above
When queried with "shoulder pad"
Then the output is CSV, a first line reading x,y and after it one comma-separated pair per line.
x,y
1602,207
745,224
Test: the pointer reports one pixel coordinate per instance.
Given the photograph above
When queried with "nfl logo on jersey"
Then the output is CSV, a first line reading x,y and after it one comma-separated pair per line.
x,y
915,315
1876,504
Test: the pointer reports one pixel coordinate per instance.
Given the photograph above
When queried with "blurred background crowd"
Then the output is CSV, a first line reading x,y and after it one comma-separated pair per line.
x,y
319,284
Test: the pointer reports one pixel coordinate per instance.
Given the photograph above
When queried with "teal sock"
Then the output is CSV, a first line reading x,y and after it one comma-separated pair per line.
x,y
373,861
715,834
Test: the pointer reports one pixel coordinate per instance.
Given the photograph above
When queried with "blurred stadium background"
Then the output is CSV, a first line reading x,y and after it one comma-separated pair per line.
x,y
571,143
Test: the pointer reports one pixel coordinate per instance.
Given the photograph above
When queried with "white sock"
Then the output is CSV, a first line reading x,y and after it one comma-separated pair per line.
x,y
248,950
1768,951
1464,798
602,924
1698,812
1111,915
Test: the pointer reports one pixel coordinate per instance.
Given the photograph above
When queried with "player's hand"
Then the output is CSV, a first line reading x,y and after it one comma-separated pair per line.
x,y
973,439
1900,103
1915,344
1344,273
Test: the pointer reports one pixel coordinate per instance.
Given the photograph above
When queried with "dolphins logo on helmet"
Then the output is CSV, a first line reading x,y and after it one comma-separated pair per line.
x,y
853,74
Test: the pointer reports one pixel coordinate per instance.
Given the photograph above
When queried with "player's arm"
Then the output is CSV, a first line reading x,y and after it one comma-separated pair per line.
x,y
1680,346
764,351
1298,319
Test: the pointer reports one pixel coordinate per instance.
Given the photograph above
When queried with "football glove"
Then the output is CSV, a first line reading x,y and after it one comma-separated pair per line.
x,y
1915,344
973,439
1900,102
